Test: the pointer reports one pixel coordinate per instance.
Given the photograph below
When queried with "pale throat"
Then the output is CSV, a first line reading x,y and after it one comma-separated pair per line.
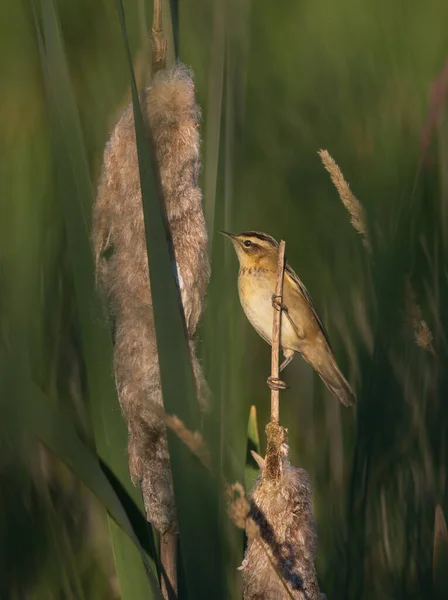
x,y
258,264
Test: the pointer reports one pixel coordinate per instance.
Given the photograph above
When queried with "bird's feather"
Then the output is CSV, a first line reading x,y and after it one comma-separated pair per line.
x,y
304,292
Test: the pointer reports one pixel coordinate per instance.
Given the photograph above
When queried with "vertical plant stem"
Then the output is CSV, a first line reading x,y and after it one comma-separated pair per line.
x,y
276,327
168,556
159,43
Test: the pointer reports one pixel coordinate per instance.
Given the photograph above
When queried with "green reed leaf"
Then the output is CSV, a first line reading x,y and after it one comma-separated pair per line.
x,y
75,193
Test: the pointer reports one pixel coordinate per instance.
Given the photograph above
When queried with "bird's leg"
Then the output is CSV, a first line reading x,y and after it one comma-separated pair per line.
x,y
288,359
275,383
278,305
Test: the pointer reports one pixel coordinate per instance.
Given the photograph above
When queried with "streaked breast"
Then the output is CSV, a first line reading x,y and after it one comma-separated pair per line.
x,y
256,289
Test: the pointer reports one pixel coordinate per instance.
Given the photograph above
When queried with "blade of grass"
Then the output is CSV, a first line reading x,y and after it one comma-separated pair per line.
x,y
195,492
25,407
214,116
75,193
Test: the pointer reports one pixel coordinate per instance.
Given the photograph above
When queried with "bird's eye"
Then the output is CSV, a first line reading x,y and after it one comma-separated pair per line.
x,y
248,243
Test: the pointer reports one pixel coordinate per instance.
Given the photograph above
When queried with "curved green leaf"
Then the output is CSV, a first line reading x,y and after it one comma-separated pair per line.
x,y
30,409
75,193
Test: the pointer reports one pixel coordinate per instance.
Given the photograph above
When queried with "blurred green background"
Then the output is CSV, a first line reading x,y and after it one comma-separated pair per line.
x,y
276,82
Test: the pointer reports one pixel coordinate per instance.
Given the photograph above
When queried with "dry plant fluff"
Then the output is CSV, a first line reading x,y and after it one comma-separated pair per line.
x,y
279,560
120,250
413,315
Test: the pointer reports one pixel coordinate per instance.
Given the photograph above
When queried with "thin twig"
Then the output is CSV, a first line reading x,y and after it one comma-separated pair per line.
x,y
275,393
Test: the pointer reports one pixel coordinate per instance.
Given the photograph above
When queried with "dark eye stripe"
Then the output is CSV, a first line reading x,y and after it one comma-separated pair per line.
x,y
260,236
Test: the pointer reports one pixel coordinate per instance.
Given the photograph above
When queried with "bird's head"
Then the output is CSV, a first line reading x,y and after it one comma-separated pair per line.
x,y
254,248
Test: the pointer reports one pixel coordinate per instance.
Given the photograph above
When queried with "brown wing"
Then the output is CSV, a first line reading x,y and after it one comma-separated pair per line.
x,y
304,292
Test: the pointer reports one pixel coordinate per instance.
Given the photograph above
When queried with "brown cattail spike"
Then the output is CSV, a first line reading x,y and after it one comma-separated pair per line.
x,y
122,268
279,560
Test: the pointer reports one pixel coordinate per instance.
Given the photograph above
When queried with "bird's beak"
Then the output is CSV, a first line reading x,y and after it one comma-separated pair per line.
x,y
231,236
236,242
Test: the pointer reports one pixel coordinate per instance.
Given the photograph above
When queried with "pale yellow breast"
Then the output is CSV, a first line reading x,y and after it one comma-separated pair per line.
x,y
256,291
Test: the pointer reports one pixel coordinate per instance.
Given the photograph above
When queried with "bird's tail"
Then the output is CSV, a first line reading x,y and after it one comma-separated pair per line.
x,y
331,375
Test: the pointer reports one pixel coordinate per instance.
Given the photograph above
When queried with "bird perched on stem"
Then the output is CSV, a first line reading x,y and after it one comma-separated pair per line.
x,y
302,330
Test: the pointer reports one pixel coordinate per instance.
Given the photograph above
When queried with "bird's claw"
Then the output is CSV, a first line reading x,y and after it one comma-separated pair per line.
x,y
276,384
278,304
